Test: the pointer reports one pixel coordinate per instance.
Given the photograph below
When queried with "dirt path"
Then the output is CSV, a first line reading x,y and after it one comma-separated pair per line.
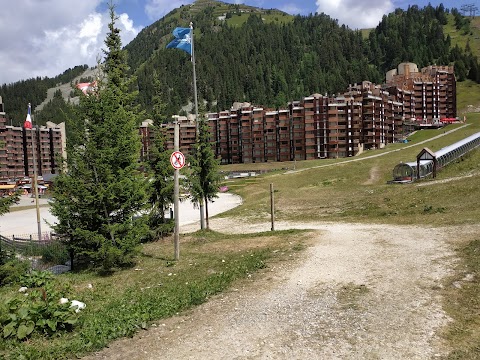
x,y
359,292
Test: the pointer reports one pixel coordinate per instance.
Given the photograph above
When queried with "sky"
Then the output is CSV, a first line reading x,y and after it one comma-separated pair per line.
x,y
46,37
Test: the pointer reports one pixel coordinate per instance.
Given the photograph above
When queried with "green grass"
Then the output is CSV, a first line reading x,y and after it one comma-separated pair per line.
x,y
462,303
358,191
121,304
467,96
460,38
276,17
366,33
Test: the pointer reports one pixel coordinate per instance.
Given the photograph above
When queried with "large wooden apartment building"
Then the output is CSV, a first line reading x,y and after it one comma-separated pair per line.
x,y
367,116
18,147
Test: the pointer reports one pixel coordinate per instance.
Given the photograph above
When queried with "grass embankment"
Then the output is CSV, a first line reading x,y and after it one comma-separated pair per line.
x,y
122,303
462,303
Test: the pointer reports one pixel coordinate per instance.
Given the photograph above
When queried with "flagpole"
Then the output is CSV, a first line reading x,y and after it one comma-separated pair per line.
x,y
200,202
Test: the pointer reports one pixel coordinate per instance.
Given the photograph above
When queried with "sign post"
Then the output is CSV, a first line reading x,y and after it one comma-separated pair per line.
x,y
177,159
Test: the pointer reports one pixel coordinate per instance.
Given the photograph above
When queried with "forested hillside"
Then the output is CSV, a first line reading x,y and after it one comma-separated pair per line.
x,y
268,58
17,95
417,35
272,63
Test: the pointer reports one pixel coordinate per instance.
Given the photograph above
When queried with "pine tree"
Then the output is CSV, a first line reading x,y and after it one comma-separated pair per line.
x,y
7,201
204,179
162,186
96,199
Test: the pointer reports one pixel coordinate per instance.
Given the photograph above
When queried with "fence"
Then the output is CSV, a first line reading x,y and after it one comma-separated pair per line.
x,y
47,253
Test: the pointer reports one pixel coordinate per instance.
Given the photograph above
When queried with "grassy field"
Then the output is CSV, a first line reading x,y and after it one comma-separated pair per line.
x,y
467,96
358,191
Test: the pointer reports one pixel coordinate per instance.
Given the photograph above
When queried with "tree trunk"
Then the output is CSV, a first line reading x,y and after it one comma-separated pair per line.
x,y
206,214
202,218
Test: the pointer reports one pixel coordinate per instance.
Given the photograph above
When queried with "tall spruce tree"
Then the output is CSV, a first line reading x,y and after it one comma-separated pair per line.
x,y
96,198
161,186
204,178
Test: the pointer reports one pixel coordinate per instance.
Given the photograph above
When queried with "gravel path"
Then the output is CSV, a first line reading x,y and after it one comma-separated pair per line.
x,y
359,292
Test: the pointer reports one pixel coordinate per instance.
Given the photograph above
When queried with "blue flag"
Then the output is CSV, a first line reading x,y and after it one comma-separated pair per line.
x,y
182,41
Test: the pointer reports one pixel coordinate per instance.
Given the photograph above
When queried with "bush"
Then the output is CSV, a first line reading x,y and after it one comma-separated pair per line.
x,y
160,230
36,278
13,270
54,253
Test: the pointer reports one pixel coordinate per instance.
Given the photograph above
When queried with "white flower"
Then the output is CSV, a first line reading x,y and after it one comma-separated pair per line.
x,y
22,289
78,304
63,300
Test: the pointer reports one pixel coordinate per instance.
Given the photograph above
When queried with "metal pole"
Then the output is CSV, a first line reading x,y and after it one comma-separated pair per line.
x,y
35,183
272,207
194,80
200,202
176,239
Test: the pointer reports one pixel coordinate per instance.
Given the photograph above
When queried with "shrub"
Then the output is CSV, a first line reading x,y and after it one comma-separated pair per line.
x,y
36,278
13,270
54,253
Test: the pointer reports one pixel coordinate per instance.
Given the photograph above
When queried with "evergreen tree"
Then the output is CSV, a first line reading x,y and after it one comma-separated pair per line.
x,y
96,199
204,179
7,201
162,186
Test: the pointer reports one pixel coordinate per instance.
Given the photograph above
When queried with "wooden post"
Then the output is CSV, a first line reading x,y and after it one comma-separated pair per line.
x,y
272,207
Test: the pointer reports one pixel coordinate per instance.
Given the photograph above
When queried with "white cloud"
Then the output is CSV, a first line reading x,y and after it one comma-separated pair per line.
x,y
357,14
291,9
44,38
156,9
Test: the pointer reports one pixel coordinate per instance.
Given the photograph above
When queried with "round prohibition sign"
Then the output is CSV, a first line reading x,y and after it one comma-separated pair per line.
x,y
177,159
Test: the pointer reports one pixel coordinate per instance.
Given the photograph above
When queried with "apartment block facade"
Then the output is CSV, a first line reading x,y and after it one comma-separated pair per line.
x,y
366,116
432,89
20,144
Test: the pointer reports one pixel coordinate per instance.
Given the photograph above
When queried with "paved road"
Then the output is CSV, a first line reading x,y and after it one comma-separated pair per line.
x,y
24,222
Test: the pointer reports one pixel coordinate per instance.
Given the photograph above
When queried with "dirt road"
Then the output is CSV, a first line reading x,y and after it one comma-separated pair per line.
x,y
359,292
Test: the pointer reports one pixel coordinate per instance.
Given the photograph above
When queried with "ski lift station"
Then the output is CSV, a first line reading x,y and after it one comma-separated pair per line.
x,y
429,162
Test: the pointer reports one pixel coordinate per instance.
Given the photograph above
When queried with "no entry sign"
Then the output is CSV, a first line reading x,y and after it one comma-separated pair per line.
x,y
177,159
